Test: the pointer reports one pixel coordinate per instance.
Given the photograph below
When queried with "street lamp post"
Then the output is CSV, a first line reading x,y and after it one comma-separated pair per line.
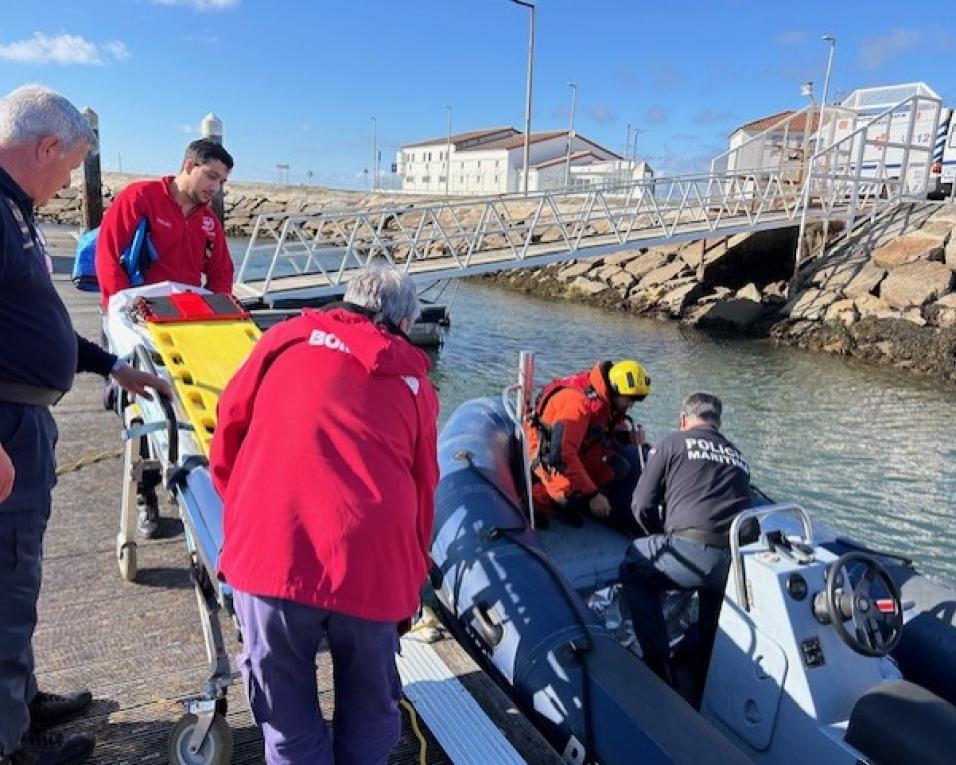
x,y
633,158
527,99
567,164
808,180
826,87
374,165
448,152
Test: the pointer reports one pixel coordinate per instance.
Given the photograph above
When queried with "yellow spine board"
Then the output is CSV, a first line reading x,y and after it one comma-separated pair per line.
x,y
201,357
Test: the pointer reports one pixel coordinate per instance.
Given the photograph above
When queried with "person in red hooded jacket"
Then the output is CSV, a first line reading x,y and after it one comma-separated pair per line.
x,y
325,455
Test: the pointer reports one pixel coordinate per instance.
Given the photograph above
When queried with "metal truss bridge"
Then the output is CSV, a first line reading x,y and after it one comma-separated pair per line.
x,y
843,167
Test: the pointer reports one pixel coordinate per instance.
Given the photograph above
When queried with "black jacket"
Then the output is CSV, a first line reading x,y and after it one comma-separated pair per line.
x,y
700,477
38,345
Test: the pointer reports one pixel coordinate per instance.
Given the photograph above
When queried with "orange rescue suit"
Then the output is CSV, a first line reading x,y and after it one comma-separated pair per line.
x,y
580,421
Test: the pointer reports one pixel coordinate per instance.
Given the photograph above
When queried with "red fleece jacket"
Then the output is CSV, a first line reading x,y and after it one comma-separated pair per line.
x,y
188,246
325,457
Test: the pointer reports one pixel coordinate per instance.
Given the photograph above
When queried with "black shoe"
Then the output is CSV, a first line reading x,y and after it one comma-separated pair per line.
x,y
52,749
48,709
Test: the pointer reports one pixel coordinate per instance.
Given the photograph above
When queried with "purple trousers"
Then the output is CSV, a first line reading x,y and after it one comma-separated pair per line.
x,y
280,642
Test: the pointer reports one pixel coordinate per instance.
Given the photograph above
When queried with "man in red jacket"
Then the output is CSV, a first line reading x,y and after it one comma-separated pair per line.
x,y
325,457
186,233
189,242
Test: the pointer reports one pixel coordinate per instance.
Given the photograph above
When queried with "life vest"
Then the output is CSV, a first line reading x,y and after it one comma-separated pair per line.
x,y
135,259
599,413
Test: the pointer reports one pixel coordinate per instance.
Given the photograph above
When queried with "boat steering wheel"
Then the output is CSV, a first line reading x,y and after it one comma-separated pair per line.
x,y
869,616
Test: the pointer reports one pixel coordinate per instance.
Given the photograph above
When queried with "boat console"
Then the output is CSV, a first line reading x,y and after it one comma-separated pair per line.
x,y
798,671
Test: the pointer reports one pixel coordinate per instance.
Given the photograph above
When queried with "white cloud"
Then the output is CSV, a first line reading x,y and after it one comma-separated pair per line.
x,y
187,129
713,117
876,51
790,37
601,114
656,115
63,49
200,5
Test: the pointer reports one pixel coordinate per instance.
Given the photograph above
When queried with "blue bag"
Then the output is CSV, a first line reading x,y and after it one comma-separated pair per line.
x,y
84,264
135,259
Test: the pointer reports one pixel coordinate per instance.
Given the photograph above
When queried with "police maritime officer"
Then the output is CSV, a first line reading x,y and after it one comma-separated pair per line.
x,y
694,485
42,139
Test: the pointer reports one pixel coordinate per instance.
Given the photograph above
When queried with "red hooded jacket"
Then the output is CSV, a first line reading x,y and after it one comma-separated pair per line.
x,y
325,457
188,246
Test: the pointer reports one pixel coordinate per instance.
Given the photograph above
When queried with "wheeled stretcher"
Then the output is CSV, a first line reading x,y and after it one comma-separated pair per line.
x,y
197,340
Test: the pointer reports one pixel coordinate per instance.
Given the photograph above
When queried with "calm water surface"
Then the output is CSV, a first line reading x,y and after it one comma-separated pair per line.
x,y
871,451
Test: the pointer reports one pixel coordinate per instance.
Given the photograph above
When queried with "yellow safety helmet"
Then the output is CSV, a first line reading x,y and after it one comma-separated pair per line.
x,y
628,378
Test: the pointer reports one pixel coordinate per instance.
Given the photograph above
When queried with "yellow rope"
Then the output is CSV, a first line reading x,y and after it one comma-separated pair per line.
x,y
422,744
90,459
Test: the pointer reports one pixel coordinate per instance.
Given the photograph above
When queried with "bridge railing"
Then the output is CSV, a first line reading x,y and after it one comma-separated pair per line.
x,y
465,235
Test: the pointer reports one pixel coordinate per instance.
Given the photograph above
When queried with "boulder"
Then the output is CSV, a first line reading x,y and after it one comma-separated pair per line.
x,y
842,310
949,255
750,292
622,258
914,315
938,227
606,273
909,248
678,299
574,270
811,304
588,286
866,280
719,293
916,283
942,313
870,305
622,280
663,274
739,312
644,264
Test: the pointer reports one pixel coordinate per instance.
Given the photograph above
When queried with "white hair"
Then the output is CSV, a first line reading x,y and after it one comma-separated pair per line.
x,y
385,290
33,111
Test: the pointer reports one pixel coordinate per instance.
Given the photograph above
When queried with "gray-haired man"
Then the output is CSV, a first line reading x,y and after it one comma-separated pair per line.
x,y
702,481
42,138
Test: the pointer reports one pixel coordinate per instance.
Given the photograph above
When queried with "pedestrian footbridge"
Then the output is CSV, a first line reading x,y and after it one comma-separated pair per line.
x,y
839,170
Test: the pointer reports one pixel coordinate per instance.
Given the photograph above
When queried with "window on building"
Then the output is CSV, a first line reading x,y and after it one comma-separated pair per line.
x,y
441,178
441,156
426,179
461,179
410,179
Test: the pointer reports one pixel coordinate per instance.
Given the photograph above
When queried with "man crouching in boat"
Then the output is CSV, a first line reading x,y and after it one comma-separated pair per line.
x,y
325,457
579,464
702,481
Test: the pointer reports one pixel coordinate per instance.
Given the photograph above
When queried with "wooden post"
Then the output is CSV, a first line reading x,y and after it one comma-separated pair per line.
x,y
212,131
92,210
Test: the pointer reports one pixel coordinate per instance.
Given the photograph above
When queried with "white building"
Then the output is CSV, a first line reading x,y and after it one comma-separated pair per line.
x,y
782,145
491,161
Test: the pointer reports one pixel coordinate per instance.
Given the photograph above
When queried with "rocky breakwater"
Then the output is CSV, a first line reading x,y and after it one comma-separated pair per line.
x,y
242,202
884,294
887,297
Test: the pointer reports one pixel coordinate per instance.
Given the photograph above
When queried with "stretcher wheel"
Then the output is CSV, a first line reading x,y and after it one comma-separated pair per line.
x,y
216,749
126,558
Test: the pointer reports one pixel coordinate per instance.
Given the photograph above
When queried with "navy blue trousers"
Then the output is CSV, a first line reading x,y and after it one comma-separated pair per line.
x,y
28,435
280,642
661,562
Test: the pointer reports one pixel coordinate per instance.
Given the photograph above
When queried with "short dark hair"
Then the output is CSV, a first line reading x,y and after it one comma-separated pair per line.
x,y
703,406
203,150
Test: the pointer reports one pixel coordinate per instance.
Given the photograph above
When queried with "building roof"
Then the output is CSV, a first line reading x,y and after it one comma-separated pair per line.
x,y
466,140
797,125
562,159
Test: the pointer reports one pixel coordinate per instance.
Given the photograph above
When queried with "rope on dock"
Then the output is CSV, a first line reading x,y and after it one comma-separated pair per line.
x,y
422,744
89,459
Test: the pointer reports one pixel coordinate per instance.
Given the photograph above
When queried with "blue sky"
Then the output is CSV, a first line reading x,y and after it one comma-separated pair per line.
x,y
296,82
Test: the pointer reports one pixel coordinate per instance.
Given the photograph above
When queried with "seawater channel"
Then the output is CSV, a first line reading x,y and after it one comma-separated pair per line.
x,y
869,451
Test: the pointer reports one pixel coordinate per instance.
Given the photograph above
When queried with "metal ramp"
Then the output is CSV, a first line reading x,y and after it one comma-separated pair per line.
x,y
306,257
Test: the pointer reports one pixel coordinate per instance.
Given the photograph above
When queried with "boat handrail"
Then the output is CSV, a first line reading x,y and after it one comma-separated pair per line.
x,y
736,557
